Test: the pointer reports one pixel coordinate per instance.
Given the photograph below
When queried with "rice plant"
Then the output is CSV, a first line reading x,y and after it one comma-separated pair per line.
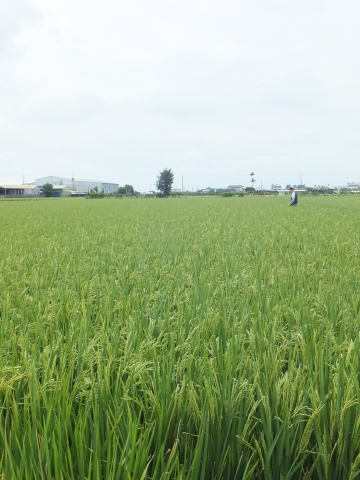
x,y
189,338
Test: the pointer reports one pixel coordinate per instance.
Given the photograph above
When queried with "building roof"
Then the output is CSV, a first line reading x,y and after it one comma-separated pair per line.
x,y
18,187
76,179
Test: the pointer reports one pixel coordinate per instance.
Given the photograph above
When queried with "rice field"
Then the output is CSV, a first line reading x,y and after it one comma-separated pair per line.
x,y
185,338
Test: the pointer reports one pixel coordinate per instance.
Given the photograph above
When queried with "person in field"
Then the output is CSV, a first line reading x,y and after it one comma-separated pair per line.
x,y
294,197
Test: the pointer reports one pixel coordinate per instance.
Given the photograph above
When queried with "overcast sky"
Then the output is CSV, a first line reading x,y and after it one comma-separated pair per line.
x,y
117,90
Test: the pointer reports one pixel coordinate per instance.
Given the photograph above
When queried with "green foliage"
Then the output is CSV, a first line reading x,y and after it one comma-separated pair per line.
x,y
249,189
227,194
126,190
192,339
48,190
165,181
94,193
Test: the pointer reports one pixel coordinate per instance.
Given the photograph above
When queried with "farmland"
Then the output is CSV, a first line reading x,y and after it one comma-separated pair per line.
x,y
186,338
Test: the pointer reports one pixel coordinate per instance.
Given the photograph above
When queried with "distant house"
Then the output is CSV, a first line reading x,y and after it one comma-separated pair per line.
x,y
236,188
353,185
78,194
276,187
18,190
286,191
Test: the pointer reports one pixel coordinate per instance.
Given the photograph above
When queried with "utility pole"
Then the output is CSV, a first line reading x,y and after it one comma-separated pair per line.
x,y
23,179
300,180
182,184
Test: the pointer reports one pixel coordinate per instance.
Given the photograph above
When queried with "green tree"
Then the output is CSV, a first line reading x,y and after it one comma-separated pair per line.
x,y
48,190
165,181
249,189
126,190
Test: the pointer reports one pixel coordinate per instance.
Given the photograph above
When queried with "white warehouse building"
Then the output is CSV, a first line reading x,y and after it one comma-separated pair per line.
x,y
78,185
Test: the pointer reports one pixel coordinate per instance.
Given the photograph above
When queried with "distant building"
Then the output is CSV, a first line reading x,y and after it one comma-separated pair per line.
x,y
78,185
78,194
62,190
237,188
276,186
285,191
349,186
19,190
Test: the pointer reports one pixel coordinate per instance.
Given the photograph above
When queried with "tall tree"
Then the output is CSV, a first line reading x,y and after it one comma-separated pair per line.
x,y
165,181
48,190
